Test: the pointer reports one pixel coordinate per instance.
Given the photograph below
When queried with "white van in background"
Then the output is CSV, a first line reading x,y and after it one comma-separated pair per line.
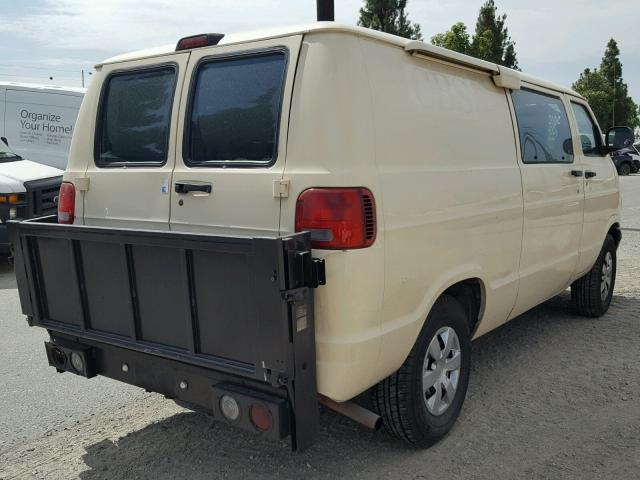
x,y
38,120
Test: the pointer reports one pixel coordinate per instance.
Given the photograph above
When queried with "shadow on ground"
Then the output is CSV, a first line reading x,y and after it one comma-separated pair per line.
x,y
7,278
534,381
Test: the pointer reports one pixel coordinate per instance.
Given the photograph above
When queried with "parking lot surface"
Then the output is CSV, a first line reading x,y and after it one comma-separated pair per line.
x,y
552,395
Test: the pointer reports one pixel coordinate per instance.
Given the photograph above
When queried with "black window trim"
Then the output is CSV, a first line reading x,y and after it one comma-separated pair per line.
x,y
186,139
515,114
99,117
598,139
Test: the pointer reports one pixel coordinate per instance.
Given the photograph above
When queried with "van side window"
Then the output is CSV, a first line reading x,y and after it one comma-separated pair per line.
x,y
235,111
134,120
545,135
589,132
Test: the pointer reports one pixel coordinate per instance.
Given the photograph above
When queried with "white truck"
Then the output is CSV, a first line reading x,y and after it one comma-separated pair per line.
x,y
38,120
27,190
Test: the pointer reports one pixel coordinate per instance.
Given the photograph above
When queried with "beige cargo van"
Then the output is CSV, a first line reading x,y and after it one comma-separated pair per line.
x,y
443,196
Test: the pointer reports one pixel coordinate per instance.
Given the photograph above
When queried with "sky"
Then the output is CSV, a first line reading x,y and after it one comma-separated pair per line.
x,y
43,39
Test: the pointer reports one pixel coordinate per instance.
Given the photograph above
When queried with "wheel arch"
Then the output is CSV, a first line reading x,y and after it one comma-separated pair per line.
x,y
471,294
616,233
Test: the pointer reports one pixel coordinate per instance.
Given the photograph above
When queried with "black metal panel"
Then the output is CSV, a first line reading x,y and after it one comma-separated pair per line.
x,y
158,277
224,296
58,280
107,287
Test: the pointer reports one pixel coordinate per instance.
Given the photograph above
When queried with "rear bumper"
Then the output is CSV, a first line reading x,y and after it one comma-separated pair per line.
x,y
190,384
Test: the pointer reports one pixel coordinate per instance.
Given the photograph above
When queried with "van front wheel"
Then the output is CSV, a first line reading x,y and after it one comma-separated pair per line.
x,y
592,293
422,400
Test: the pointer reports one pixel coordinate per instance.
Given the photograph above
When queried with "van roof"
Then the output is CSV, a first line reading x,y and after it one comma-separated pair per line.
x,y
411,46
42,87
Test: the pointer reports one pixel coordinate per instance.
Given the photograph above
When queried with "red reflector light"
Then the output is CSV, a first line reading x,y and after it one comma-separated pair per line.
x,y
338,218
261,417
196,41
66,203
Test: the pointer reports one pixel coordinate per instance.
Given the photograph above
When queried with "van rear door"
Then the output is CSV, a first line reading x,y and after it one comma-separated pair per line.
x,y
232,146
133,152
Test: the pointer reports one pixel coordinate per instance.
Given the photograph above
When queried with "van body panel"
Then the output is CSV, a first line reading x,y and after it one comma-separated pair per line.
x,y
130,196
242,200
472,230
81,148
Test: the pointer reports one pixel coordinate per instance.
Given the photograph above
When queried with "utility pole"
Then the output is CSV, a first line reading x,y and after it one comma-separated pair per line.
x,y
88,74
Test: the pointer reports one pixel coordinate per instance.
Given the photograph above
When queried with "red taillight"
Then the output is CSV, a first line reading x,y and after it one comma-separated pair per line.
x,y
261,417
338,218
66,203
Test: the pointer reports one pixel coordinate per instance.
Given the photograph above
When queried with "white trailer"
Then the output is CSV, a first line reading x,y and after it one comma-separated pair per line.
x,y
38,120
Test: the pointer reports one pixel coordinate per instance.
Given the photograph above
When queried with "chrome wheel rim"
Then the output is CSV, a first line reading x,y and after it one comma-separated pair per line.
x,y
606,276
441,371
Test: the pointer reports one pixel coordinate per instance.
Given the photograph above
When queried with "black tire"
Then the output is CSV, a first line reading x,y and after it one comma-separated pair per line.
x,y
634,169
586,292
624,170
400,399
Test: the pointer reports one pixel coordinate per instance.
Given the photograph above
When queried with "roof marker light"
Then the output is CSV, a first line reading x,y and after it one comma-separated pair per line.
x,y
197,41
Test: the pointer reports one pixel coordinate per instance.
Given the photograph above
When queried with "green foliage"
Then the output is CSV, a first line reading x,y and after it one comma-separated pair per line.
x,y
389,16
491,40
594,87
456,39
607,92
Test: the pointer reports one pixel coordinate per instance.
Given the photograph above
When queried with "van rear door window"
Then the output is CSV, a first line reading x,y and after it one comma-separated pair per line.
x,y
545,135
235,111
135,115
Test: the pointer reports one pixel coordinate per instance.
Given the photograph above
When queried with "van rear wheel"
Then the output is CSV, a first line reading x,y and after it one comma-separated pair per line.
x,y
422,400
592,293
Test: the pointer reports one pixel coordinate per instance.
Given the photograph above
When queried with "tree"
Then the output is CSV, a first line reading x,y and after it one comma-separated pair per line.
x,y
624,110
607,92
491,40
389,16
593,86
456,39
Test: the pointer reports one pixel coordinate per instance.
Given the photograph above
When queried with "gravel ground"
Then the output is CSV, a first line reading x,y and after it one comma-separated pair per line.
x,y
552,395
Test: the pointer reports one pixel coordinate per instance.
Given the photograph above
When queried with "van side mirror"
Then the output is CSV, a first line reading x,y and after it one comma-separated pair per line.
x,y
5,141
618,137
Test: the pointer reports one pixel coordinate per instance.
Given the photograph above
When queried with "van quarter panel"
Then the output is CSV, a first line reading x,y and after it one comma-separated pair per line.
x,y
331,144
452,195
